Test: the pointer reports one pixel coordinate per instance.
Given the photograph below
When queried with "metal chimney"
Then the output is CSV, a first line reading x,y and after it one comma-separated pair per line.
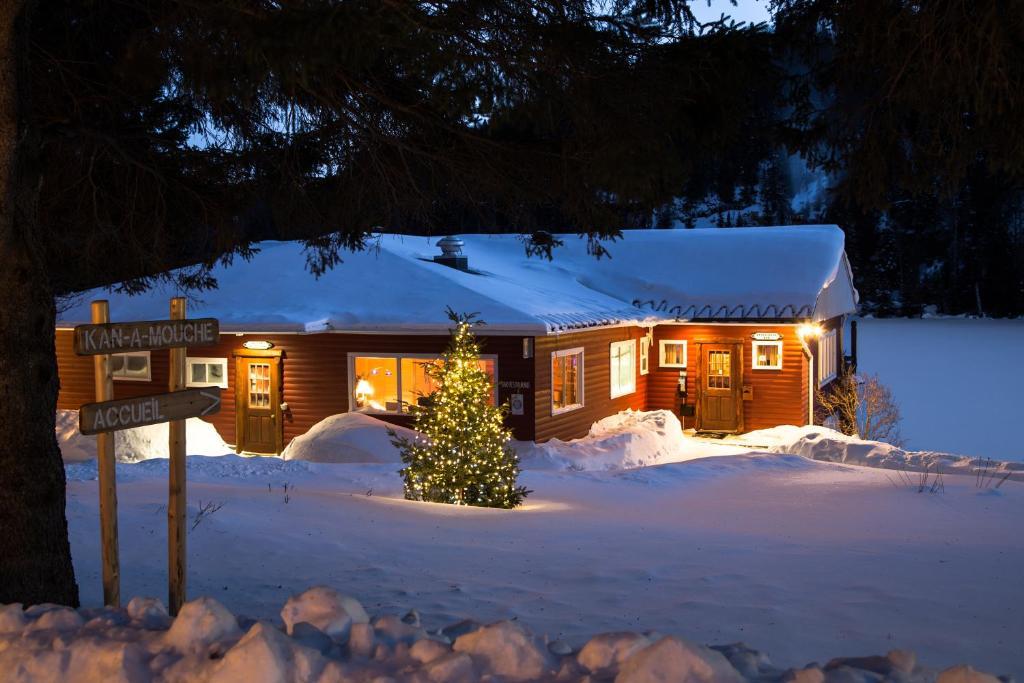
x,y
451,253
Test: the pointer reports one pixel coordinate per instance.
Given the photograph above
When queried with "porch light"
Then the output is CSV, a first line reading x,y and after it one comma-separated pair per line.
x,y
809,330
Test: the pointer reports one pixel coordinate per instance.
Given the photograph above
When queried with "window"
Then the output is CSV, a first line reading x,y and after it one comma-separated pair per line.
x,y
566,380
207,372
645,355
719,370
394,383
623,370
130,367
767,355
673,353
827,354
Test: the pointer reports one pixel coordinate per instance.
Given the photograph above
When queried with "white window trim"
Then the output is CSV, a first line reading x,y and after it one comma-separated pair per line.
x,y
827,339
662,343
582,377
352,355
753,355
645,355
127,378
631,344
190,361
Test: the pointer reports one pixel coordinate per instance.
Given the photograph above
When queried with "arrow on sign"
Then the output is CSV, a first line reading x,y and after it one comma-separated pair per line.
x,y
112,416
214,403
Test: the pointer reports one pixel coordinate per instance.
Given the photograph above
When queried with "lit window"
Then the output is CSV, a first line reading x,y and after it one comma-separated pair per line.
x,y
673,353
207,372
376,384
417,385
566,380
623,369
767,355
827,357
393,384
130,367
645,355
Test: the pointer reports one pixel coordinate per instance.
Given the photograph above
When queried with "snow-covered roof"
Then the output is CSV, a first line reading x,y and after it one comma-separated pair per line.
x,y
779,273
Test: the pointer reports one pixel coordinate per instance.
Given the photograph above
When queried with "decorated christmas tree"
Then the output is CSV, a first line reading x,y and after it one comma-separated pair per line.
x,y
462,453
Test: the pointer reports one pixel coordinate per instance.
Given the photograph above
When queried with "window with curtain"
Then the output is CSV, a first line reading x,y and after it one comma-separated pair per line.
x,y
566,380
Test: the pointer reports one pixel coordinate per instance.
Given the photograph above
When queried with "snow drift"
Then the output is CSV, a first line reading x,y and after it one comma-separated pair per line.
x,y
623,441
135,445
821,443
206,642
347,438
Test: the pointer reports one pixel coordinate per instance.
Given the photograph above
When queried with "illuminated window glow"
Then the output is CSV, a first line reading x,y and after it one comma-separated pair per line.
x,y
767,355
393,384
566,380
673,353
623,368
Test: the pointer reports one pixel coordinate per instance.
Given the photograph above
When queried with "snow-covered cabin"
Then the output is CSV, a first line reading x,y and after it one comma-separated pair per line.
x,y
733,329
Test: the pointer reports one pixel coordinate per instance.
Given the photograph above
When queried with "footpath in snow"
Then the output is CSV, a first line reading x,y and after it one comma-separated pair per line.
x,y
804,560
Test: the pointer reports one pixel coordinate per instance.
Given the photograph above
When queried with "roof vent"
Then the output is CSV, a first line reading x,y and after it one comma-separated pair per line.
x,y
451,253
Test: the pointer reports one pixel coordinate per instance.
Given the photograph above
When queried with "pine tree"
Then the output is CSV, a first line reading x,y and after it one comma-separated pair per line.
x,y
463,456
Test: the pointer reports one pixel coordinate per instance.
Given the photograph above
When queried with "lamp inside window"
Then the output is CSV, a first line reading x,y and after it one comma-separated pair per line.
x,y
767,355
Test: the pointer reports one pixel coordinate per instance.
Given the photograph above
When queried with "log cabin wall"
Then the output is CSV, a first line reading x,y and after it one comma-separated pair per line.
x,y
597,401
315,375
780,396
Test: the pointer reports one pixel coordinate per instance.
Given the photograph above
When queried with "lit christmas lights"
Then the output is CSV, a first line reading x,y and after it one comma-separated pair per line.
x,y
462,455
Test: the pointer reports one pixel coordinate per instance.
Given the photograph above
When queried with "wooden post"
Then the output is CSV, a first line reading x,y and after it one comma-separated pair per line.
x,y
107,475
176,493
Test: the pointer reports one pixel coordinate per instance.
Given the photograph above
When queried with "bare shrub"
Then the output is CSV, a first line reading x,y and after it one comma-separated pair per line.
x,y
205,510
862,406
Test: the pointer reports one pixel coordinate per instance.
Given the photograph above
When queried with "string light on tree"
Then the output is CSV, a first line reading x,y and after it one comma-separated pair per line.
x,y
462,454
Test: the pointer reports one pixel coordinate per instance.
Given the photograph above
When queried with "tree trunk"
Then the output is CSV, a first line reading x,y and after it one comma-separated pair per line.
x,y
35,556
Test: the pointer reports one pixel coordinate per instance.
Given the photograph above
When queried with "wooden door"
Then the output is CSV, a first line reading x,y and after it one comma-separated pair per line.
x,y
721,398
258,422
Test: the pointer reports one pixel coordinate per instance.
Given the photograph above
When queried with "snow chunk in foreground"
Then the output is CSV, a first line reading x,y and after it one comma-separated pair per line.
x,y
325,608
623,441
135,445
508,650
347,438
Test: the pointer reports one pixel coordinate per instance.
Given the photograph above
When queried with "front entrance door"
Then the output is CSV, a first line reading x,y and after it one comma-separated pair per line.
x,y
721,399
258,402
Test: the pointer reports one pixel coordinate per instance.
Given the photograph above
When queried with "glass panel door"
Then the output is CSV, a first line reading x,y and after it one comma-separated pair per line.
x,y
719,369
259,385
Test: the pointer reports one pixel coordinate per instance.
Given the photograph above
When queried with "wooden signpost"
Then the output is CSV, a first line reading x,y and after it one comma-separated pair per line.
x,y
105,416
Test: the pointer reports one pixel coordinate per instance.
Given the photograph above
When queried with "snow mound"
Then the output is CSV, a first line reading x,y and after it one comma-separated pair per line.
x,y
821,443
326,609
205,644
135,445
347,438
626,440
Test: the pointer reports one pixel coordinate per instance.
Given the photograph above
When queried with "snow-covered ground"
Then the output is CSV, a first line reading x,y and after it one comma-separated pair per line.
x,y
803,559
958,381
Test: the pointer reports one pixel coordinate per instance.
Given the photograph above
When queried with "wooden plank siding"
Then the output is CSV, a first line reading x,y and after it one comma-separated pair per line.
x,y
315,375
597,401
780,396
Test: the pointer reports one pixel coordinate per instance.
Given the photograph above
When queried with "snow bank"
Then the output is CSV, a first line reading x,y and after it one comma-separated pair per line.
x,y
347,438
821,443
627,440
623,441
135,445
206,642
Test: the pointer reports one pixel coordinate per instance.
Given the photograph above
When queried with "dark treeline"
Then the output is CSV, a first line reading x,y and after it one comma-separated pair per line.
x,y
899,121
